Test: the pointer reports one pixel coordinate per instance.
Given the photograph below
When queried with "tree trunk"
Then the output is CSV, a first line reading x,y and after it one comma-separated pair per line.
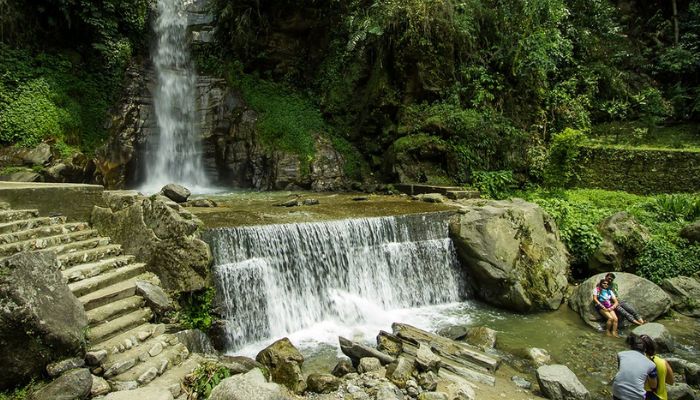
x,y
676,33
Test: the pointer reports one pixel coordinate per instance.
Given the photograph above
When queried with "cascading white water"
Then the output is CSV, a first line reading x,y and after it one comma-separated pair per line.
x,y
275,280
176,156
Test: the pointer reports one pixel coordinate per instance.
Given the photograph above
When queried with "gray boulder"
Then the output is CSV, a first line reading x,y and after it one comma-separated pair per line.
x,y
680,391
368,364
557,382
685,293
691,232
248,386
40,319
239,364
284,361
155,297
57,368
197,342
400,371
645,296
513,254
175,192
40,155
74,384
141,394
322,383
160,233
481,337
661,336
343,368
623,239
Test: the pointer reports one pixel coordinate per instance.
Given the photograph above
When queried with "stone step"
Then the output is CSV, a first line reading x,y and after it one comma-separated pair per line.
x,y
114,309
17,215
90,255
80,245
52,243
135,335
118,325
21,225
145,372
117,291
105,279
173,378
119,363
42,232
84,271
463,194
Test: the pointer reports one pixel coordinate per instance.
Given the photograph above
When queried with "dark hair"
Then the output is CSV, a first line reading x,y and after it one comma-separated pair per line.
x,y
649,345
635,343
609,276
601,282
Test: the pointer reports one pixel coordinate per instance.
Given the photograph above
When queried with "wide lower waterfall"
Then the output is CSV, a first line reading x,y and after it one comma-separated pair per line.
x,y
274,280
175,156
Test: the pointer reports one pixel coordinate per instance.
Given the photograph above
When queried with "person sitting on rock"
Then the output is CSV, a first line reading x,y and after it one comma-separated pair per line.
x,y
623,308
663,370
634,370
606,302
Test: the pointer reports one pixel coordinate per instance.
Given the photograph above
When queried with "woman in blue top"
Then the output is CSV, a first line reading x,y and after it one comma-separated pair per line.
x,y
606,302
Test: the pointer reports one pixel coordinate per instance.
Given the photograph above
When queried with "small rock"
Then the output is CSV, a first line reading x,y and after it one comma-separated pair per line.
x,y
141,394
40,155
57,368
454,332
204,203
426,360
290,203
128,344
95,358
400,371
155,296
148,376
311,202
368,364
99,386
163,366
175,192
343,368
539,356
430,198
432,396
521,382
143,335
482,337
428,381
557,382
155,350
322,383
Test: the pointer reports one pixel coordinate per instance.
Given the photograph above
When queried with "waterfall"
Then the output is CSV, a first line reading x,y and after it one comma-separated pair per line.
x,y
176,155
273,280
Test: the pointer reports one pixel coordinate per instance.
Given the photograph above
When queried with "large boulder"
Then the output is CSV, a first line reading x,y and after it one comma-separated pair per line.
x,y
645,296
248,386
284,362
685,293
623,239
160,233
513,254
40,319
557,382
175,192
691,232
74,384
659,334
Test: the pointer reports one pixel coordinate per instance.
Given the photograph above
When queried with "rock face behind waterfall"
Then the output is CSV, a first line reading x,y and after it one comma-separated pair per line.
x,y
645,296
513,254
40,319
160,233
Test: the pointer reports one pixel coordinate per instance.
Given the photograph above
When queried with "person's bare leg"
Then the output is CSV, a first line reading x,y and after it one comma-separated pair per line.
x,y
614,326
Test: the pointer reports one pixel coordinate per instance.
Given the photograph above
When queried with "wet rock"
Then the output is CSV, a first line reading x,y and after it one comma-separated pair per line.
x,y
428,381
680,391
513,254
691,232
387,391
40,316
481,337
343,368
284,361
155,297
290,203
426,360
175,192
74,384
141,394
557,382
196,342
368,364
623,240
661,336
248,386
389,344
685,293
356,351
239,364
646,297
322,383
538,356
22,176
456,332
95,358
203,203
311,202
521,382
57,368
400,371
460,391
430,198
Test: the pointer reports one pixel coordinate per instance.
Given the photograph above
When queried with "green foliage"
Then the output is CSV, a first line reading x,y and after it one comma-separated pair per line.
x,y
32,116
676,207
205,378
196,309
21,393
563,158
661,259
494,184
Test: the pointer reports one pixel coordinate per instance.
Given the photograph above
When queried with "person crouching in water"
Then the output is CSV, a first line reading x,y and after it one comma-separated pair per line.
x,y
663,370
623,308
634,370
606,302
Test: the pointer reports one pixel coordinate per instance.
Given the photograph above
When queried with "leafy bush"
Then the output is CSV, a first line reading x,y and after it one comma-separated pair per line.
x,y
660,259
494,184
196,309
31,116
205,378
563,158
676,207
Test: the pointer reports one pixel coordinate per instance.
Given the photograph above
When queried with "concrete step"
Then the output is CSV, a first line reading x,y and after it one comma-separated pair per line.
x,y
84,271
134,335
118,325
80,245
52,243
173,378
17,215
68,260
145,372
117,291
463,194
21,225
114,309
42,231
119,363
105,279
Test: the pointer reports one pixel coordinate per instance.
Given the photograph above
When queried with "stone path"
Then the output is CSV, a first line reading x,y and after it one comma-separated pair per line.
x,y
125,348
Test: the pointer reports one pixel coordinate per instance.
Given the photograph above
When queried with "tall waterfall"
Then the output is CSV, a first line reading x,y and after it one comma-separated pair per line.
x,y
176,156
274,280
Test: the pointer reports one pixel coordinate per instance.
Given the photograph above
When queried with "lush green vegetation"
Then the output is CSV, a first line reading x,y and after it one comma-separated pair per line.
x,y
205,378
196,309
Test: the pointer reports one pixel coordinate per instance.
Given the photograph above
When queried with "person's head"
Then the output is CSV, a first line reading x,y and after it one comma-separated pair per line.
x,y
649,345
603,284
609,277
635,343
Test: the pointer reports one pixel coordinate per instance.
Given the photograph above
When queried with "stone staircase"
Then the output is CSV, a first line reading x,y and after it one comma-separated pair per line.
x,y
125,348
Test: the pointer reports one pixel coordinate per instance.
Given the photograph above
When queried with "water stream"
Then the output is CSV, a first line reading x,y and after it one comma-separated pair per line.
x,y
175,155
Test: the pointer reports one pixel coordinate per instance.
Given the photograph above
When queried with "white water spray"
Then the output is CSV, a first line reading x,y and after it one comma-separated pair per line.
x,y
176,156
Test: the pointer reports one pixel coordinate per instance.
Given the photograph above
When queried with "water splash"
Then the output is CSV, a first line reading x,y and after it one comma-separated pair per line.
x,y
176,155
330,278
